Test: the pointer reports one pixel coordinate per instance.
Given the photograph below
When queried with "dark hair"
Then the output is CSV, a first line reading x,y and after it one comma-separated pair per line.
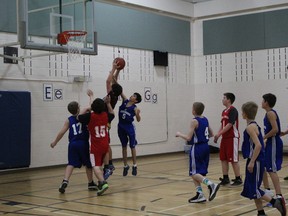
x,y
138,97
117,89
73,107
98,105
250,109
230,96
198,108
270,99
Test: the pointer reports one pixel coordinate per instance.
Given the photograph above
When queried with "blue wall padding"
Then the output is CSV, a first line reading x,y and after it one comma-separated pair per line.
x,y
15,129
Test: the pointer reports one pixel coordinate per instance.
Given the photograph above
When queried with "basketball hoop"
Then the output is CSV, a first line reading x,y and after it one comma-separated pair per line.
x,y
74,40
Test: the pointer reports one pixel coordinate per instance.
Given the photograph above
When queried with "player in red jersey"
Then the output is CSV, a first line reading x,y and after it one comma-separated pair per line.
x,y
97,122
229,146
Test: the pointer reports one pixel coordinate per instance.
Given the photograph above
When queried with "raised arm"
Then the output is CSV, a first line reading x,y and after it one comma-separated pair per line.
x,y
60,134
115,76
91,96
112,78
109,107
123,96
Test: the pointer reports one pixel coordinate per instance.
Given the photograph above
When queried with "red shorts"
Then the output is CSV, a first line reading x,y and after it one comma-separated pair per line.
x,y
97,158
229,148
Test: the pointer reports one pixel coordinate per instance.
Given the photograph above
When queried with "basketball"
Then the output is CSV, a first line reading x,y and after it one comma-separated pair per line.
x,y
120,63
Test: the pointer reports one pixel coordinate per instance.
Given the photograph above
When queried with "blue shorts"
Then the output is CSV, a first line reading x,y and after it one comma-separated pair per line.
x,y
253,181
199,159
78,154
274,154
126,132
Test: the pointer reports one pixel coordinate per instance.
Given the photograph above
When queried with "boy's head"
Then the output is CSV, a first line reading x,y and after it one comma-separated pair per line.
x,y
270,99
137,97
98,105
73,107
117,89
198,108
230,96
249,109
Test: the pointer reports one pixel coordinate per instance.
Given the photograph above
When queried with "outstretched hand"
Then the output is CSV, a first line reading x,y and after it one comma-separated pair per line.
x,y
90,93
115,65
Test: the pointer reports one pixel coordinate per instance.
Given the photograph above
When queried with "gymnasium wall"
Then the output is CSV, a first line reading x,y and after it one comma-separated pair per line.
x,y
248,74
246,32
50,81
159,111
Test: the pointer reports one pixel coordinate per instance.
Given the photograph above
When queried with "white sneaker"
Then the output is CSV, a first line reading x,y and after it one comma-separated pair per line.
x,y
269,192
199,198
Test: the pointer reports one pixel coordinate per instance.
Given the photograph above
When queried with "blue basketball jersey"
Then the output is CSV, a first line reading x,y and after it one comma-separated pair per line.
x,y
126,114
199,152
268,126
201,134
274,146
248,146
77,130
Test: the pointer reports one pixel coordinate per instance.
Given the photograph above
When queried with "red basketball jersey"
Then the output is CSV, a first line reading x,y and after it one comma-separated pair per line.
x,y
230,115
98,128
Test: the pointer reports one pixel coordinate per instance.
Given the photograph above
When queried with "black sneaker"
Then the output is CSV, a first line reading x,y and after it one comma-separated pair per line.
x,y
199,198
92,186
280,205
286,178
102,187
134,170
237,182
63,185
224,181
125,170
213,190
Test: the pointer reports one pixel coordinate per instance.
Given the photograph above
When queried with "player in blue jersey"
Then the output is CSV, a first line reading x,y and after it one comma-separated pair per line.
x,y
198,138
253,151
78,149
274,144
126,128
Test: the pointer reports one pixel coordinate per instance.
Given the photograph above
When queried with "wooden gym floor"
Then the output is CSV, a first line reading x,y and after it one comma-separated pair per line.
x,y
162,187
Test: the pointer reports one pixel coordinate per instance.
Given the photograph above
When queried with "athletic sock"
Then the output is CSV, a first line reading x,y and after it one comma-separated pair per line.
x,y
199,189
207,181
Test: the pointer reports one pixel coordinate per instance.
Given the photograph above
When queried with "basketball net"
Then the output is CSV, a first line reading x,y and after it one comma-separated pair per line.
x,y
75,42
74,45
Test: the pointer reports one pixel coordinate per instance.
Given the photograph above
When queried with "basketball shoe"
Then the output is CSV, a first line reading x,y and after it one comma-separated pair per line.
x,y
63,185
125,170
102,187
213,188
199,198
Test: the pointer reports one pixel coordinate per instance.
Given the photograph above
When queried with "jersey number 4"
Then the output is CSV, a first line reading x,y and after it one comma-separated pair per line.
x,y
207,133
